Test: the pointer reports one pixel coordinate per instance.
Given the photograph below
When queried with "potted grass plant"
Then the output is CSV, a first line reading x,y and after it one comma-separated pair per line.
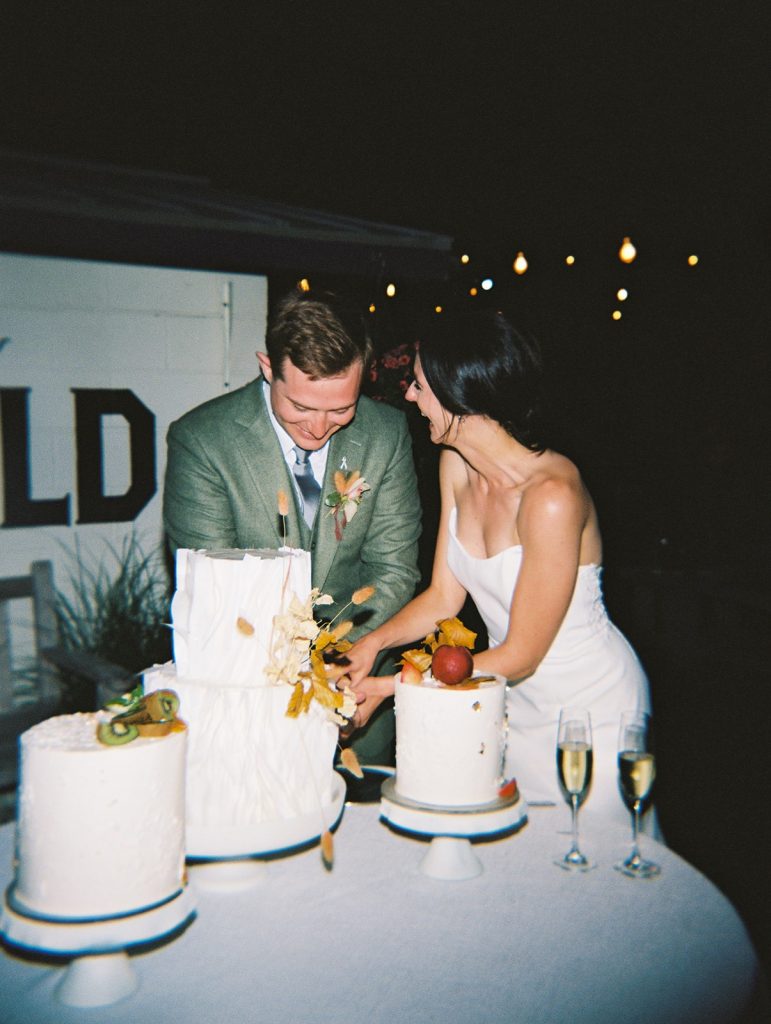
x,y
112,620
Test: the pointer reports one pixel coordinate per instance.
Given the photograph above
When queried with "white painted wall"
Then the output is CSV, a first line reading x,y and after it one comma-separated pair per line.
x,y
160,333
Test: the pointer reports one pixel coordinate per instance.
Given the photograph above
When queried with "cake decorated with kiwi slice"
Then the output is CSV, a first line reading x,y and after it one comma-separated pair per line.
x,y
100,823
249,762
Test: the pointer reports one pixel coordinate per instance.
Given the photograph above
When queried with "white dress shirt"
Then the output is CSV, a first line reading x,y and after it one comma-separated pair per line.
x,y
318,459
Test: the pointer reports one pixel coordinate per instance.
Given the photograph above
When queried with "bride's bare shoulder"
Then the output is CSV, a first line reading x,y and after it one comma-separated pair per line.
x,y
452,467
555,485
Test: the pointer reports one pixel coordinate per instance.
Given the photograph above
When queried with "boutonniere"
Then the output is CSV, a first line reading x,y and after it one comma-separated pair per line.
x,y
345,500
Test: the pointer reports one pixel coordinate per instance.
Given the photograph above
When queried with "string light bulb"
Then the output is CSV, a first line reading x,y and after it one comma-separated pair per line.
x,y
616,314
372,307
465,258
693,259
487,284
472,291
304,284
622,294
437,309
390,290
627,252
570,260
519,266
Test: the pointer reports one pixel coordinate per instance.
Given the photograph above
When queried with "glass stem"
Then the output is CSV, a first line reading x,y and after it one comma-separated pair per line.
x,y
635,829
574,816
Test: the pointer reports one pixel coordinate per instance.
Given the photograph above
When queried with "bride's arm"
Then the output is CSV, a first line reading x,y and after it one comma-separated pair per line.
x,y
442,599
550,522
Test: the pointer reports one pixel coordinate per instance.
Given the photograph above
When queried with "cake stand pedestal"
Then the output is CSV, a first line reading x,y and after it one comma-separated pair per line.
x,y
228,859
450,855
100,972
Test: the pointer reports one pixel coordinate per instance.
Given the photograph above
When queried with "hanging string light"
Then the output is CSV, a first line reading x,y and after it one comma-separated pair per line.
x,y
390,290
487,284
616,314
520,264
304,284
372,307
622,294
570,260
627,252
465,258
437,309
473,291
693,259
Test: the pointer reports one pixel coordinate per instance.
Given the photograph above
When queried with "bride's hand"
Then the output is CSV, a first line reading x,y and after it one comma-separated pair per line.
x,y
361,658
370,694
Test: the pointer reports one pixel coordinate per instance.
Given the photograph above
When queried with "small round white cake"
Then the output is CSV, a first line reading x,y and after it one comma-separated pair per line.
x,y
450,741
101,829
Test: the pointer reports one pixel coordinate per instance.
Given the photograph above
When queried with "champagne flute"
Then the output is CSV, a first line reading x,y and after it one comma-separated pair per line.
x,y
574,768
637,770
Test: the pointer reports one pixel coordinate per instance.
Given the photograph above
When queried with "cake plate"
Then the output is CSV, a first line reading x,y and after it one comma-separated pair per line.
x,y
232,859
450,855
100,972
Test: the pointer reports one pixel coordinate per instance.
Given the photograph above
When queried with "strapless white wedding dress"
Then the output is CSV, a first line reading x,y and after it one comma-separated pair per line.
x,y
589,665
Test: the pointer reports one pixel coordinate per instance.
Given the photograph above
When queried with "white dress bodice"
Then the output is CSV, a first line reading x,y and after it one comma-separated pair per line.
x,y
589,664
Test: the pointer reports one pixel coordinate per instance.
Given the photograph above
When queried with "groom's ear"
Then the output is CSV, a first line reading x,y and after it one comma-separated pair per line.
x,y
267,370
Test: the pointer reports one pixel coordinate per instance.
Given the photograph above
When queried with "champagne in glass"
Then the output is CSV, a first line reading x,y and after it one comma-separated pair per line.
x,y
574,768
637,770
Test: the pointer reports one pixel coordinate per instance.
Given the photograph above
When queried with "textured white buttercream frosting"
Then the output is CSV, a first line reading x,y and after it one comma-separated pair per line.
x,y
100,830
247,762
217,589
450,742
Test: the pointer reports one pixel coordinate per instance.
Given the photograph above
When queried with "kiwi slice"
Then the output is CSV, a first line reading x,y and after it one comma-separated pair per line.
x,y
115,733
162,705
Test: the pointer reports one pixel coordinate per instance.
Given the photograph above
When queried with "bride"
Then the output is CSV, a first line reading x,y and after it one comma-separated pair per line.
x,y
518,532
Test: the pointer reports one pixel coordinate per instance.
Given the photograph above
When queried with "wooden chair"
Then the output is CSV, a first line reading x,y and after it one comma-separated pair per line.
x,y
30,683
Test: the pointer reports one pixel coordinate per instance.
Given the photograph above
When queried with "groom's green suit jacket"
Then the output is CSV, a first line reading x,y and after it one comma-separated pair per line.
x,y
225,469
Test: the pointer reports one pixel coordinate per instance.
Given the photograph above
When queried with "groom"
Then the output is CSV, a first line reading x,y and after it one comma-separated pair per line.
x,y
291,430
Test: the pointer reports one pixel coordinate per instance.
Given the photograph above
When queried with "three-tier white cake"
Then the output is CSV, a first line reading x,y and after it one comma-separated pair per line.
x,y
248,763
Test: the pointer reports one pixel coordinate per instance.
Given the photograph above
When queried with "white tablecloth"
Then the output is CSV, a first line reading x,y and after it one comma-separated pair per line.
x,y
375,940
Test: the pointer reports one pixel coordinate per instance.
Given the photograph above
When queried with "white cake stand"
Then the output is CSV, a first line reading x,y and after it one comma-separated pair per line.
x,y
450,855
232,859
100,972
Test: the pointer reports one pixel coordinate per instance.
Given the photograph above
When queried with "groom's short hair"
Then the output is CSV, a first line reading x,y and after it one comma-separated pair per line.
x,y
320,332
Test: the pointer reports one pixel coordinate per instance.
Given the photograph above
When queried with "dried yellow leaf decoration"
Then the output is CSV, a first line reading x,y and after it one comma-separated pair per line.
x,y
295,705
349,760
283,503
420,659
244,627
342,646
340,482
327,849
453,633
325,695
324,638
362,594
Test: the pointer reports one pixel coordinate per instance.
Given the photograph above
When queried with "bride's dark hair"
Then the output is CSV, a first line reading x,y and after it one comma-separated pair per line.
x,y
478,364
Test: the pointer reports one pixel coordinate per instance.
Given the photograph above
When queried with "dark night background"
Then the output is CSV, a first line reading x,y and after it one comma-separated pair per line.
x,y
553,129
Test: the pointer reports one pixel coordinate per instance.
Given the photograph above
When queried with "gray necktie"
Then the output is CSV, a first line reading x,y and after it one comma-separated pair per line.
x,y
306,481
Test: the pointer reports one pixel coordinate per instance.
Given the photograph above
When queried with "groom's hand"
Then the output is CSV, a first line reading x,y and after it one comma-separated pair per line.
x,y
370,693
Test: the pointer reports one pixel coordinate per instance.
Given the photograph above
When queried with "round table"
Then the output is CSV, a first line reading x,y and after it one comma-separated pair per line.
x,y
376,940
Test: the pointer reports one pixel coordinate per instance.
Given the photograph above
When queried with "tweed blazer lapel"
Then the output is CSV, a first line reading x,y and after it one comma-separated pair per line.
x,y
264,461
347,451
